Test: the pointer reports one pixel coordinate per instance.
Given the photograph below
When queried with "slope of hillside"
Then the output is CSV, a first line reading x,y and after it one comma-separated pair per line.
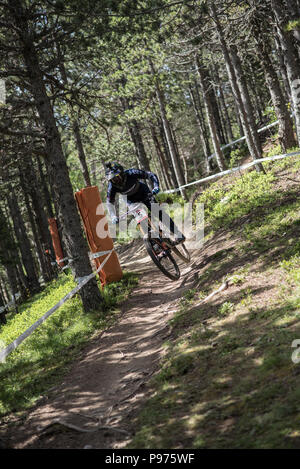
x,y
179,371
230,377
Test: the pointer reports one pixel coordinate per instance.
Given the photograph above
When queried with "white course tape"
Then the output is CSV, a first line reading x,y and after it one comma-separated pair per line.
x,y
241,139
233,170
83,280
63,260
94,255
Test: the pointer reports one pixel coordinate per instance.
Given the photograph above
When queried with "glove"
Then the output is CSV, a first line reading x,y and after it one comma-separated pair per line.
x,y
155,190
115,220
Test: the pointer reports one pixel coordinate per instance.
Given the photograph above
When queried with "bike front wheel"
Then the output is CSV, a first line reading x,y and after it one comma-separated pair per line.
x,y
181,251
162,258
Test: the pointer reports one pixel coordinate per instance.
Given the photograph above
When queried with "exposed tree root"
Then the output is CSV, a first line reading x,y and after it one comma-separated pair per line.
x,y
59,422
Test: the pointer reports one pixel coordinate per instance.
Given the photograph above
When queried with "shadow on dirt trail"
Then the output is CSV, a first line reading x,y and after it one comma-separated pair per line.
x,y
107,385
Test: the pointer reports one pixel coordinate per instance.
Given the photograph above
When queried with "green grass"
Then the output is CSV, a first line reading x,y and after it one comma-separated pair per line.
x,y
231,384
41,360
247,193
227,379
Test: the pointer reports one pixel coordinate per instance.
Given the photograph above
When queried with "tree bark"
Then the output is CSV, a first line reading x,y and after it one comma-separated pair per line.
x,y
137,140
81,153
282,69
45,188
222,97
294,14
291,58
203,140
134,127
23,240
235,89
75,126
180,156
241,82
8,253
30,185
167,153
203,76
4,289
2,315
168,133
161,157
76,244
215,108
286,132
48,274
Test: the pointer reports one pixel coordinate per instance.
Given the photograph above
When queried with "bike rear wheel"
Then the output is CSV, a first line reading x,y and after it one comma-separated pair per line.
x,y
162,258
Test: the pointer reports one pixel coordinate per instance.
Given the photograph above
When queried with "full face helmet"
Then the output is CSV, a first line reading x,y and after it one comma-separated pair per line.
x,y
114,172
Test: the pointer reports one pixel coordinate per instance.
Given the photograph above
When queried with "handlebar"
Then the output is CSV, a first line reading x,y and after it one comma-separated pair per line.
x,y
149,196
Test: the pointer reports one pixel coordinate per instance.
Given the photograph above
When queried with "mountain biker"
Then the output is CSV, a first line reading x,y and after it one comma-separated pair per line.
x,y
127,182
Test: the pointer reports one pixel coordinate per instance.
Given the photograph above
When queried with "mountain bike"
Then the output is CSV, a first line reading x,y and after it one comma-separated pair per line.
x,y
159,248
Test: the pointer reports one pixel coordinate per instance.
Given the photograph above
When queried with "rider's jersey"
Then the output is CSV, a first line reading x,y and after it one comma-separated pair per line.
x,y
131,187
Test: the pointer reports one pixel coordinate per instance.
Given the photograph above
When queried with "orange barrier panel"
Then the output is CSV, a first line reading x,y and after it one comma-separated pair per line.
x,y
92,213
56,241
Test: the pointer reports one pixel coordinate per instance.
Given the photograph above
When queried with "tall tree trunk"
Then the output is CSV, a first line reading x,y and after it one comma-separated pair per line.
x,y
46,273
81,153
8,253
286,132
15,258
21,280
179,154
224,106
2,291
4,288
202,117
215,108
46,192
238,116
203,140
168,132
76,244
2,315
294,14
161,157
75,125
203,77
133,127
259,102
30,185
167,153
291,58
136,137
12,277
282,69
23,240
235,89
241,82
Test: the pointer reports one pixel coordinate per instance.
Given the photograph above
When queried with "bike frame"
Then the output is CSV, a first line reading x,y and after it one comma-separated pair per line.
x,y
137,208
165,246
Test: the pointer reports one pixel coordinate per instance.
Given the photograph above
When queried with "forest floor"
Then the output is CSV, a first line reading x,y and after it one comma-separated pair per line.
x,y
107,384
174,373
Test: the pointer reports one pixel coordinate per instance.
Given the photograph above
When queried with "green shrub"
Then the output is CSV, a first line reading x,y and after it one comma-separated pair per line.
x,y
225,205
236,156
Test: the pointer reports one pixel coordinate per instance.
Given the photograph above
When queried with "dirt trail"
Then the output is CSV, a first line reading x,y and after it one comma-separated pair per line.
x,y
107,385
